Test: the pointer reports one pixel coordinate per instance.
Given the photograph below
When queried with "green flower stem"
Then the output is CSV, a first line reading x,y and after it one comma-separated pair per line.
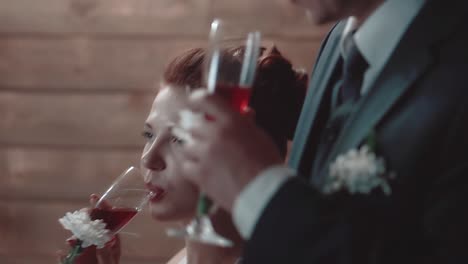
x,y
372,141
204,205
74,253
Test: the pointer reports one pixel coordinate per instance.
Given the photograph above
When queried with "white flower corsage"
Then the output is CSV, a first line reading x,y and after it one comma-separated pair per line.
x,y
87,232
358,171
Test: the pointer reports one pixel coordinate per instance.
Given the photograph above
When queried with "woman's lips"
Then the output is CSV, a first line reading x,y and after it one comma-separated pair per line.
x,y
158,192
158,196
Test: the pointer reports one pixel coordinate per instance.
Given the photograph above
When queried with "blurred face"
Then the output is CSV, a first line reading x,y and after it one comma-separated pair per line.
x,y
159,162
325,11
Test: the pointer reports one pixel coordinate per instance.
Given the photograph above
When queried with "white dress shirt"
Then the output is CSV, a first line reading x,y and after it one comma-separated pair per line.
x,y
376,39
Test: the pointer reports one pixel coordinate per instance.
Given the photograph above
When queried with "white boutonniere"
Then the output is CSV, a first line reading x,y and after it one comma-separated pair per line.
x,y
358,171
87,232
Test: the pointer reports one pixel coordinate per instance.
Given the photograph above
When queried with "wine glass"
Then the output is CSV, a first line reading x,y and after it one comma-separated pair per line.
x,y
118,205
230,72
121,202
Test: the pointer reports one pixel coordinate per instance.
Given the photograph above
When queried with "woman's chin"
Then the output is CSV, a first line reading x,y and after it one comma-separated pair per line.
x,y
166,214
161,214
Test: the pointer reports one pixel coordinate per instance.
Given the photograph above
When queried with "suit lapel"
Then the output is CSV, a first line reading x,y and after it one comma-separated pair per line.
x,y
396,79
408,62
317,87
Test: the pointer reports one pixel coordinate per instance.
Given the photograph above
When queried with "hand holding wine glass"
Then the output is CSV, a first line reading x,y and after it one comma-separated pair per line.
x,y
116,207
230,72
122,200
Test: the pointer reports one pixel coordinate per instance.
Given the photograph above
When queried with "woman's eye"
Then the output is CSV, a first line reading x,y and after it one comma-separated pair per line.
x,y
147,135
176,140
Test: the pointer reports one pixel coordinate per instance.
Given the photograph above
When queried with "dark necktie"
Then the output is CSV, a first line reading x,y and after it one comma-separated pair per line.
x,y
345,94
354,66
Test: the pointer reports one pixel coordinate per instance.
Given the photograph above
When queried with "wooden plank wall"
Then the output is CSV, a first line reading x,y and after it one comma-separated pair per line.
x,y
76,81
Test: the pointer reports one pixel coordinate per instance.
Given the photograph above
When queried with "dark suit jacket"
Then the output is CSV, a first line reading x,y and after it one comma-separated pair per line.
x,y
418,107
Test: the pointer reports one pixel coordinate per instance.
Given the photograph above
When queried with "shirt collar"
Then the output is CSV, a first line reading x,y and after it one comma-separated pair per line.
x,y
379,35
350,27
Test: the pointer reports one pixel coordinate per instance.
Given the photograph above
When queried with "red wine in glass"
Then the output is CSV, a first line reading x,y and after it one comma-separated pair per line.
x,y
122,200
115,218
237,96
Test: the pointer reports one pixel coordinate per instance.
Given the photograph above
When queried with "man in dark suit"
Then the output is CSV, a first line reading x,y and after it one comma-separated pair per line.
x,y
391,78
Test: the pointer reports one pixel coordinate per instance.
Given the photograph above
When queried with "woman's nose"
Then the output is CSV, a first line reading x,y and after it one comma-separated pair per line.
x,y
152,157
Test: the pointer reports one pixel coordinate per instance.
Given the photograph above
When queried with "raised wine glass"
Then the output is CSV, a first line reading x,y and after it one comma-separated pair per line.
x,y
119,204
125,197
230,65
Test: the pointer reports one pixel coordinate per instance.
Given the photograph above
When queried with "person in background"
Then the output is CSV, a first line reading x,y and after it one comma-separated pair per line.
x,y
276,100
379,163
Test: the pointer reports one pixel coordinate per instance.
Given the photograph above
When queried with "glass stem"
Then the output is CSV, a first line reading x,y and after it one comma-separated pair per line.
x,y
204,205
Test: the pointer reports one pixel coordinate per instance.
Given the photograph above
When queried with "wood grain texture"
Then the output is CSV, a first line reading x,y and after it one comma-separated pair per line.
x,y
174,17
148,17
74,120
83,63
108,65
60,174
273,17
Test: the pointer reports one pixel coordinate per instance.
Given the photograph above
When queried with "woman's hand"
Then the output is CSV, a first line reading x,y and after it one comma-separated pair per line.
x,y
110,254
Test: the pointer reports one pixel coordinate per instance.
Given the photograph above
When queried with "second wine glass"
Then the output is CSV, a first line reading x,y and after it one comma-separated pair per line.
x,y
229,70
231,62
